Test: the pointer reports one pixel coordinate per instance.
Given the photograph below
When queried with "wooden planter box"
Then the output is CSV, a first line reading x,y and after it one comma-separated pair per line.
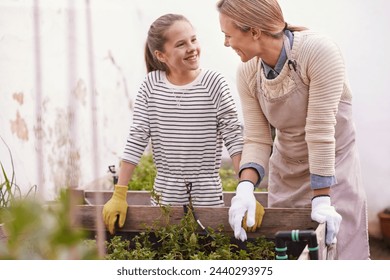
x,y
141,215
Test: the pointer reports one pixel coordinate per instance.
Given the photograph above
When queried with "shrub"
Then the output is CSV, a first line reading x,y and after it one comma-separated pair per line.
x,y
44,232
9,190
145,173
183,241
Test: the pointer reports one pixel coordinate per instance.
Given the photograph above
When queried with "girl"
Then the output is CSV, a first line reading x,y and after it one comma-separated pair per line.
x,y
187,113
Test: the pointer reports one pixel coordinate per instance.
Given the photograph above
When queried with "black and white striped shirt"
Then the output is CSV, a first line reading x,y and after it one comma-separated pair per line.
x,y
187,126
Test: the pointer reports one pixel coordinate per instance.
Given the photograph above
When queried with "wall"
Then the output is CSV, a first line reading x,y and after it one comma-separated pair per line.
x,y
69,72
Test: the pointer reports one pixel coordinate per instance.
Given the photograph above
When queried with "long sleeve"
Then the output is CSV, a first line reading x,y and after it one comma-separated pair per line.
x,y
326,74
257,132
139,134
228,123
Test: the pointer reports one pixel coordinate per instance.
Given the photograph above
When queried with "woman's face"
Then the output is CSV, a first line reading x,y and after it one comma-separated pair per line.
x,y
181,50
243,43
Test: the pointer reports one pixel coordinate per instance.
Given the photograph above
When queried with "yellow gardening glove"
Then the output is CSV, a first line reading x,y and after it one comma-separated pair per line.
x,y
116,206
258,218
245,212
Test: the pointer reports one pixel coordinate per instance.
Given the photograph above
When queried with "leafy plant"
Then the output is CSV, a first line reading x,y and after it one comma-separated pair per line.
x,y
145,173
183,241
6,192
9,190
37,230
228,177
46,232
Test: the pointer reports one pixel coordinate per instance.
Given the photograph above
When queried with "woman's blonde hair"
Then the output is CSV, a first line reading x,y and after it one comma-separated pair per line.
x,y
156,40
263,14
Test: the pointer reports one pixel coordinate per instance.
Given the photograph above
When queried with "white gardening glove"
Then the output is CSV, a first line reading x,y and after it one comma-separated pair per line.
x,y
244,201
321,212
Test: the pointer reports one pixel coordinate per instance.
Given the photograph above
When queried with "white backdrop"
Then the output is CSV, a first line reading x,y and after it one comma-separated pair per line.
x,y
73,65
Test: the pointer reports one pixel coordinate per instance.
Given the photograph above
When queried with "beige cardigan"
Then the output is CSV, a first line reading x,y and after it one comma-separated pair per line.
x,y
321,66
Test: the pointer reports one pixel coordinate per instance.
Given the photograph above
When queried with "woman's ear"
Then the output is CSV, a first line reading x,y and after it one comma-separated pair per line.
x,y
256,33
159,55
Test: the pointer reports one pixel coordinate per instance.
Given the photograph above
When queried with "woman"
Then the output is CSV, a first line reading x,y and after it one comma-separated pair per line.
x,y
187,113
293,80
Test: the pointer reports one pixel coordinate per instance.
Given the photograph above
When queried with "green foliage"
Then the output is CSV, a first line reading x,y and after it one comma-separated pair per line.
x,y
46,232
6,192
183,241
145,173
229,178
9,190
37,230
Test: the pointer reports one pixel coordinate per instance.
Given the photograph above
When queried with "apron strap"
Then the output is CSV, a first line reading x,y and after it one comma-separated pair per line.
x,y
292,63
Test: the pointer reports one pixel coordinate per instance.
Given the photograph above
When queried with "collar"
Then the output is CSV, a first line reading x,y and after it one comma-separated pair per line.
x,y
282,57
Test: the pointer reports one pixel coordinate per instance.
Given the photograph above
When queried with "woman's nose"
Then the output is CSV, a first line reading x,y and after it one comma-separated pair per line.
x,y
226,42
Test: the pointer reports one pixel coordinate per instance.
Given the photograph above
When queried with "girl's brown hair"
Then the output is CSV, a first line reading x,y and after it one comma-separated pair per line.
x,y
156,39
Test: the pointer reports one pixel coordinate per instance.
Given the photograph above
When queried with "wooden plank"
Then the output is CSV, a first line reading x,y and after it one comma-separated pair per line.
x,y
141,217
143,197
262,197
133,197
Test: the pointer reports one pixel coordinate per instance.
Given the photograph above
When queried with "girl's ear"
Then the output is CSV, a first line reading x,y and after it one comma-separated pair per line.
x,y
159,55
256,33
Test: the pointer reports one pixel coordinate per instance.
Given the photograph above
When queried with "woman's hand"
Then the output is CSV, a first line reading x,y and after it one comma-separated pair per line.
x,y
323,212
245,213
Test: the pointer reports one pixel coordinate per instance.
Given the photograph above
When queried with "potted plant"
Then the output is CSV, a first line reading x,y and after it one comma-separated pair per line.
x,y
384,220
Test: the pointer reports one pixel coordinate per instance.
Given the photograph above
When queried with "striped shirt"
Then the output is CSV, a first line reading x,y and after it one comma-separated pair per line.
x,y
187,127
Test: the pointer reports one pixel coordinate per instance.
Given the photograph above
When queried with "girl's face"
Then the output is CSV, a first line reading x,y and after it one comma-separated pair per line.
x,y
181,50
244,43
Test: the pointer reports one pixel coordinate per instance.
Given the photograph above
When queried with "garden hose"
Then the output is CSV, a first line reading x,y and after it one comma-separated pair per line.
x,y
308,236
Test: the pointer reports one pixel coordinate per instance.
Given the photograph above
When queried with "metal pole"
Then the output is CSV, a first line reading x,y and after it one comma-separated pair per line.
x,y
73,153
38,101
101,233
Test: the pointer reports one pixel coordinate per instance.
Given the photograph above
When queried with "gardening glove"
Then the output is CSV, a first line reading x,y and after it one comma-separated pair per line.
x,y
116,206
323,212
245,212
258,218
